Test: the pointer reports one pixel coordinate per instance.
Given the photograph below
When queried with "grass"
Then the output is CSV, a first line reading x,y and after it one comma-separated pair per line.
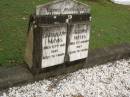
x,y
110,25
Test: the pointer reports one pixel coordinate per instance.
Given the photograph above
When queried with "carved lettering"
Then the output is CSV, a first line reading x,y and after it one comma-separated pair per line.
x,y
78,42
54,45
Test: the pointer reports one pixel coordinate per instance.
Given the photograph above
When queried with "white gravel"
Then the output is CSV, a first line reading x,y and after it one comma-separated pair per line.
x,y
124,2
108,80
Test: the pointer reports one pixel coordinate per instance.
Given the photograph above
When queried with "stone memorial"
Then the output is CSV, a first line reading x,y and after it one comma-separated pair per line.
x,y
58,34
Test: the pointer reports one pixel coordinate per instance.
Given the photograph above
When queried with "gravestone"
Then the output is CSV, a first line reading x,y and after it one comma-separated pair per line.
x,y
58,34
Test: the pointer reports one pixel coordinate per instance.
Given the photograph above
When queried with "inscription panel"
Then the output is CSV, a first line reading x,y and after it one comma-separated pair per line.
x,y
79,42
53,45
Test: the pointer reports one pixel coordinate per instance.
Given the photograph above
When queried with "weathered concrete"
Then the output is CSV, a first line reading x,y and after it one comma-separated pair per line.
x,y
107,54
14,75
20,74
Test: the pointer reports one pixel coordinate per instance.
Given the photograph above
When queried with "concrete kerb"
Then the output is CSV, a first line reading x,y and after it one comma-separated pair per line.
x,y
18,75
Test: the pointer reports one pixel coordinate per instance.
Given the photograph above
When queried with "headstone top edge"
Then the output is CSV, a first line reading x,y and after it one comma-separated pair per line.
x,y
38,7
56,1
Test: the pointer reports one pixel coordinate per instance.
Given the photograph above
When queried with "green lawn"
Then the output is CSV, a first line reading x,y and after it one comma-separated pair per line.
x,y
110,25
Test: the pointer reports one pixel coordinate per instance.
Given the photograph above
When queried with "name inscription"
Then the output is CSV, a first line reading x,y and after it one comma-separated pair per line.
x,y
79,41
53,45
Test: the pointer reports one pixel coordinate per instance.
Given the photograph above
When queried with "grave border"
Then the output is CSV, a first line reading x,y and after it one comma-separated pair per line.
x,y
20,74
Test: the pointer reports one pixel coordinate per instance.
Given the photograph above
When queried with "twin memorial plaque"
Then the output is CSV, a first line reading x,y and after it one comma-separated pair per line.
x,y
58,34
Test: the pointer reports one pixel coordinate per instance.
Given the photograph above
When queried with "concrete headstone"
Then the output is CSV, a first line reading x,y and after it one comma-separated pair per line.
x,y
58,33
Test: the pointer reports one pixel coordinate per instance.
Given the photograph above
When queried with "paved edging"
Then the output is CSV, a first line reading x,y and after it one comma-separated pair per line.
x,y
20,74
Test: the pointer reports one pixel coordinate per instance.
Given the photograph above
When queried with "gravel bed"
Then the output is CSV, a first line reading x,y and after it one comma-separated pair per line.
x,y
124,2
107,80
